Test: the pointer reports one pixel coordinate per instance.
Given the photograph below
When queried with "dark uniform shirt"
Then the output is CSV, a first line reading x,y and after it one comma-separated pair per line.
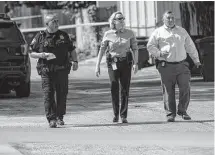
x,y
57,43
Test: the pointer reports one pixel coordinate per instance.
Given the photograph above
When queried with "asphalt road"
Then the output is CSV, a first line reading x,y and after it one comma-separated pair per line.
x,y
89,128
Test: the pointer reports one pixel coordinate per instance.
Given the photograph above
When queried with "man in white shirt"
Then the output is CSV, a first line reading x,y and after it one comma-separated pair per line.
x,y
169,44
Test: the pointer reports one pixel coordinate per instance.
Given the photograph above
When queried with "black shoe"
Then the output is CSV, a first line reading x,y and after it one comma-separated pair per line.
x,y
52,124
115,119
124,120
184,115
170,119
60,121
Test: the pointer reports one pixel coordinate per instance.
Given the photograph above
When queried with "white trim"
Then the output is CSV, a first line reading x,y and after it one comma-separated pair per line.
x,y
26,17
65,26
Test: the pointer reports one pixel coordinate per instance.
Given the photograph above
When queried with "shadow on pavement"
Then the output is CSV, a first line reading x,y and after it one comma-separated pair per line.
x,y
137,123
90,95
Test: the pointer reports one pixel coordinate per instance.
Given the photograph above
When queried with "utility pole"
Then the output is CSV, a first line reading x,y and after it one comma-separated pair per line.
x,y
2,6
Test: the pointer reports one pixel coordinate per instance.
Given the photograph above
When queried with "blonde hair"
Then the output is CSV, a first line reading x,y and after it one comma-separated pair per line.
x,y
112,18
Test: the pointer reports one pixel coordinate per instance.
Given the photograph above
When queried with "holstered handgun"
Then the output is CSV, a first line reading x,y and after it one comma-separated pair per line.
x,y
129,57
68,67
108,59
42,69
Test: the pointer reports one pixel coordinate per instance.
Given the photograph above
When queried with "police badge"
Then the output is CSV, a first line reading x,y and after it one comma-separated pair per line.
x,y
33,41
46,43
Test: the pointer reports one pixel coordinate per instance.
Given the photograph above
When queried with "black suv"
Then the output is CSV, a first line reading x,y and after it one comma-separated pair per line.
x,y
15,66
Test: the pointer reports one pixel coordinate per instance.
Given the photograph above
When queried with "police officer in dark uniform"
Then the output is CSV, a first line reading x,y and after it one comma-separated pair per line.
x,y
56,55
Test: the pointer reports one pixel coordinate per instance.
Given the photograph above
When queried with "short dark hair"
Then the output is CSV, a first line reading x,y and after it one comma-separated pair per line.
x,y
167,12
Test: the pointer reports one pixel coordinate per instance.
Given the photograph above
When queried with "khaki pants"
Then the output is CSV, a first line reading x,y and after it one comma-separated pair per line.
x,y
170,75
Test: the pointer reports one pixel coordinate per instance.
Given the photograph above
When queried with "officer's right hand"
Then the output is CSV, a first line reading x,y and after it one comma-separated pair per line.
x,y
97,71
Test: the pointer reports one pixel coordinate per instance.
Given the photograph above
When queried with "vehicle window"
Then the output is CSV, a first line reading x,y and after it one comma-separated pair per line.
x,y
9,32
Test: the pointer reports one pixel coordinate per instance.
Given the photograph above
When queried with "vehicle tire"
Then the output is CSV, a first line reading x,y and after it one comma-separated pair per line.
x,y
23,90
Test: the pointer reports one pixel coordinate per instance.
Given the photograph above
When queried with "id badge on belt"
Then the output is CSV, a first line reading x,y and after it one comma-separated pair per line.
x,y
114,66
163,63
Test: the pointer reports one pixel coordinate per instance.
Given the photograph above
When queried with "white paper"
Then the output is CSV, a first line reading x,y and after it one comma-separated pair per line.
x,y
165,48
51,56
114,66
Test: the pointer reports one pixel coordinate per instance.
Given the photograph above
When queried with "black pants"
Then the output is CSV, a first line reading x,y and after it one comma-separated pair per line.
x,y
52,83
122,75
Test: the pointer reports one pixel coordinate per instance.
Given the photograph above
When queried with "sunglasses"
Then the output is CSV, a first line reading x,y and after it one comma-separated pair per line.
x,y
55,21
168,18
121,18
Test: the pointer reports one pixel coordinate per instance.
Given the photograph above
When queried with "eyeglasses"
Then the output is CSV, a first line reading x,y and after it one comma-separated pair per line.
x,y
121,18
170,18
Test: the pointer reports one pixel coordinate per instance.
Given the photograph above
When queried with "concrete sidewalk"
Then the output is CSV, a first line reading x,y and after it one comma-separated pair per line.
x,y
89,128
93,132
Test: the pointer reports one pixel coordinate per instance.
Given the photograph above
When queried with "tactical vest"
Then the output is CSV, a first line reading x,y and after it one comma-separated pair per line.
x,y
52,43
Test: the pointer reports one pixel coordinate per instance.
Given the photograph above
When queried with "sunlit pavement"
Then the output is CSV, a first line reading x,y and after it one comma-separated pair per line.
x,y
89,128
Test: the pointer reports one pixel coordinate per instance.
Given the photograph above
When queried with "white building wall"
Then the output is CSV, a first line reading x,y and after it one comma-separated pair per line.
x,y
142,16
173,6
105,3
1,7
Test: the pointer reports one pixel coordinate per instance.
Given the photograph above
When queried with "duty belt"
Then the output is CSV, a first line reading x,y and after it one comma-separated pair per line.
x,y
119,59
178,62
56,67
59,67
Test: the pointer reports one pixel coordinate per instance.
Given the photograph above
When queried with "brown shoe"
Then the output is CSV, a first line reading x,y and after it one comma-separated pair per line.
x,y
184,115
52,124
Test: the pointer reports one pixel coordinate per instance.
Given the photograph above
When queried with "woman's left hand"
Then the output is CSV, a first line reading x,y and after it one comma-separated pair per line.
x,y
135,68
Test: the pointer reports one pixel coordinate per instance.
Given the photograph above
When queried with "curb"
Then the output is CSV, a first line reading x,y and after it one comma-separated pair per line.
x,y
6,149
